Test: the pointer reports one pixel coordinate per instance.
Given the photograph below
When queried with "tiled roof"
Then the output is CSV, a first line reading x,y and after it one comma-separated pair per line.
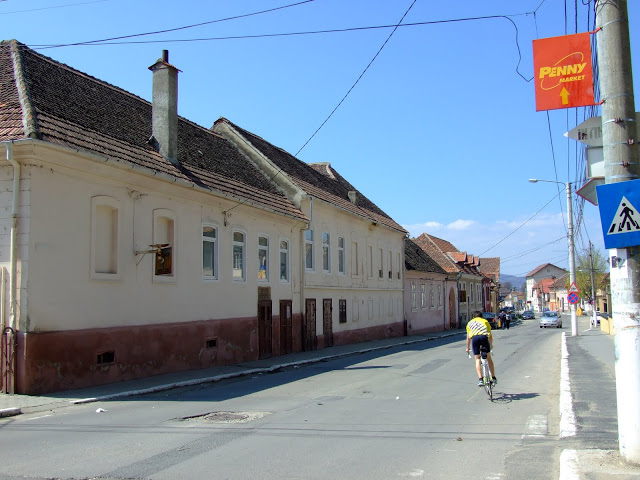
x,y
544,285
490,267
540,267
443,245
425,242
63,106
318,180
415,258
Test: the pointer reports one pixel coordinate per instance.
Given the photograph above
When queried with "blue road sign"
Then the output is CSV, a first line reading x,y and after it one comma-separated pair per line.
x,y
619,215
573,298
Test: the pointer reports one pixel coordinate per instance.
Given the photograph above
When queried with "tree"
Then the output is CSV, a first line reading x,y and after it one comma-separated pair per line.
x,y
583,272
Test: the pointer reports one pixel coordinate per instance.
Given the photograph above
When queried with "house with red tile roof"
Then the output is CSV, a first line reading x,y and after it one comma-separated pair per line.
x,y
473,287
426,283
140,243
535,300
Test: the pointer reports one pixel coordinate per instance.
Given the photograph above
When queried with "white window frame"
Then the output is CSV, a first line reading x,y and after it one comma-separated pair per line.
x,y
114,204
342,257
287,267
265,249
169,237
214,250
423,295
309,248
243,251
414,304
432,303
326,252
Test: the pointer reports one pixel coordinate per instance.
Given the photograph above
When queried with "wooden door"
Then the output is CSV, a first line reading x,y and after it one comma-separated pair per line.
x,y
265,329
309,325
327,322
286,327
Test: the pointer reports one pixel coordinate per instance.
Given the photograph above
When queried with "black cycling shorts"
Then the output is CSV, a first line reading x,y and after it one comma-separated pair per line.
x,y
478,340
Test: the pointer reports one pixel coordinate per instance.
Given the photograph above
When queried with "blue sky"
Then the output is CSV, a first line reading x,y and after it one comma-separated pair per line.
x,y
440,132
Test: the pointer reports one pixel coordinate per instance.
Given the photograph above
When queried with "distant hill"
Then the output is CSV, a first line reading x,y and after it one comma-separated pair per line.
x,y
516,282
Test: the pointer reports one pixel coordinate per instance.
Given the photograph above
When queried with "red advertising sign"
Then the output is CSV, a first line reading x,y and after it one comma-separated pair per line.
x,y
563,72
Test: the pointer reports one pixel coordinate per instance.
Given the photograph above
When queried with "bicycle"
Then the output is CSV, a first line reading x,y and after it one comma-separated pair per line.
x,y
487,378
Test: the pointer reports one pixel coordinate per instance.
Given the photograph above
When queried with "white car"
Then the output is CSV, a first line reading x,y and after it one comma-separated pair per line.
x,y
550,319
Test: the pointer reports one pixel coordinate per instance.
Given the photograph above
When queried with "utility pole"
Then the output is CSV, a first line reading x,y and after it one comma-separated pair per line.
x,y
572,259
621,164
594,317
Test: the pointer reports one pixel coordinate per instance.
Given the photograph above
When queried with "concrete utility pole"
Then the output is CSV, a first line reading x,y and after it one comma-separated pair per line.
x,y
594,317
572,258
621,164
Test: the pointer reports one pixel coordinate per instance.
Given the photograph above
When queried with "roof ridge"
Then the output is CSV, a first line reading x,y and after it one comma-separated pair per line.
x,y
29,117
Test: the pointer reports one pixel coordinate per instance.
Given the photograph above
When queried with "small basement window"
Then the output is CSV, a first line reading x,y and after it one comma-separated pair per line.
x,y
211,343
106,357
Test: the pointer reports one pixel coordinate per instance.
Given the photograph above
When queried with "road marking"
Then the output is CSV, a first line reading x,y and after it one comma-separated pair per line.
x,y
537,426
569,465
567,416
416,472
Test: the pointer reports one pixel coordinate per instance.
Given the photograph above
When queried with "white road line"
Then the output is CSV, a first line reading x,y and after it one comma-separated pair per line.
x,y
569,469
567,416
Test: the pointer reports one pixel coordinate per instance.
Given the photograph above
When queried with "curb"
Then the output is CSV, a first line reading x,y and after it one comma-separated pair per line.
x,y
10,412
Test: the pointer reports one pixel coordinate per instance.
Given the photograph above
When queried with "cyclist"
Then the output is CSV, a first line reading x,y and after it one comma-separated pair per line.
x,y
479,333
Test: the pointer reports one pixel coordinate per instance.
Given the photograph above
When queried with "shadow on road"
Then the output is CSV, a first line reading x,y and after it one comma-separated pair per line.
x,y
512,397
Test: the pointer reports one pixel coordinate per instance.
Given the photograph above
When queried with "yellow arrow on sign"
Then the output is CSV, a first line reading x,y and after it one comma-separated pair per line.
x,y
565,96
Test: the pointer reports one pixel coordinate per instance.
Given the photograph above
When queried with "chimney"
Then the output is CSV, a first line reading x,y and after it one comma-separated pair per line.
x,y
165,107
352,196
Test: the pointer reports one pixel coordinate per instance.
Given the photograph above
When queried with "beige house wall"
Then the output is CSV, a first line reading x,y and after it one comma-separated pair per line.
x,y
374,303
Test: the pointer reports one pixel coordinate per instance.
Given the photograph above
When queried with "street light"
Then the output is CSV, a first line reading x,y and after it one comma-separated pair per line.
x,y
572,254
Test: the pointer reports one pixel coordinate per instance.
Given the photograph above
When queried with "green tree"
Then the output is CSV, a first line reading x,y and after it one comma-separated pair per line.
x,y
584,261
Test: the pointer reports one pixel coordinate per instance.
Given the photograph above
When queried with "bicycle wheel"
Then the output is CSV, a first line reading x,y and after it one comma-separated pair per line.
x,y
488,385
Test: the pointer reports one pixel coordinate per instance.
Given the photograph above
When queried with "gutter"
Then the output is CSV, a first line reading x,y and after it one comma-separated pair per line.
x,y
14,234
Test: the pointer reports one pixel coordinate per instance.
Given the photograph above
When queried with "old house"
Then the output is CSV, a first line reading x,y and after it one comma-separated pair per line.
x,y
425,286
535,290
353,253
138,243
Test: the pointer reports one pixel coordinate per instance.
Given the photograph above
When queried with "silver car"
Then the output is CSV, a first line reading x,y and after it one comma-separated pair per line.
x,y
550,319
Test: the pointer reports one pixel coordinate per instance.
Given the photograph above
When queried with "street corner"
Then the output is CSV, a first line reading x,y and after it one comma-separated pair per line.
x,y
594,463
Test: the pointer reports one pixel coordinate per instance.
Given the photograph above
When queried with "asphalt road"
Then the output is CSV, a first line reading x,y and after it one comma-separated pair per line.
x,y
409,412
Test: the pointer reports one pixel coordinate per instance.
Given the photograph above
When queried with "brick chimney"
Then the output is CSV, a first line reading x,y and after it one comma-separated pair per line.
x,y
165,108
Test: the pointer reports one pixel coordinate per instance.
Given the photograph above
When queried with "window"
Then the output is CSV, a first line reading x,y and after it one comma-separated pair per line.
x,y
263,258
423,295
462,287
413,296
431,297
238,256
440,295
308,249
209,251
370,260
354,260
284,260
478,297
381,259
105,235
470,292
326,258
390,265
342,308
399,266
164,242
341,261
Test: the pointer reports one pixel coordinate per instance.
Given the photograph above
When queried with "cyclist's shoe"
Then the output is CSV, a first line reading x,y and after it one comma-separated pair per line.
x,y
480,382
494,381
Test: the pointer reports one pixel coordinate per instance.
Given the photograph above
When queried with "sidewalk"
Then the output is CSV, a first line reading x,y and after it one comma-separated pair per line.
x,y
593,453
17,404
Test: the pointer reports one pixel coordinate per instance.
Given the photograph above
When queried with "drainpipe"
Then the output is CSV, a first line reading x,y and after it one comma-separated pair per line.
x,y
14,233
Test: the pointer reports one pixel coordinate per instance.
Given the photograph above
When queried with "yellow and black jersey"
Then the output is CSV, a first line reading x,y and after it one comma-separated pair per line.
x,y
478,326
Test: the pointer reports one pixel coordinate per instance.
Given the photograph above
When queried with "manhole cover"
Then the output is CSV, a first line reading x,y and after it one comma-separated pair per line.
x,y
226,417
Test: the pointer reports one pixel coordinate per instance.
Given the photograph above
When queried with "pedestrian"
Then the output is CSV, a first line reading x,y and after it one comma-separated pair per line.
x,y
507,319
503,318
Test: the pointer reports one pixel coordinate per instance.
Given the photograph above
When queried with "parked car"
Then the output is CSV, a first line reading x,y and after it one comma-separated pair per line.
x,y
491,318
551,319
528,315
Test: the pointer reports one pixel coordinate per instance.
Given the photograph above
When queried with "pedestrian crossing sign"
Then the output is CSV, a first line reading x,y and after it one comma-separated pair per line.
x,y
619,214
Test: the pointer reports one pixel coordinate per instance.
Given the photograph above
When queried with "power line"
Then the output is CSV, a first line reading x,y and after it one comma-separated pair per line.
x,y
52,7
357,80
109,41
